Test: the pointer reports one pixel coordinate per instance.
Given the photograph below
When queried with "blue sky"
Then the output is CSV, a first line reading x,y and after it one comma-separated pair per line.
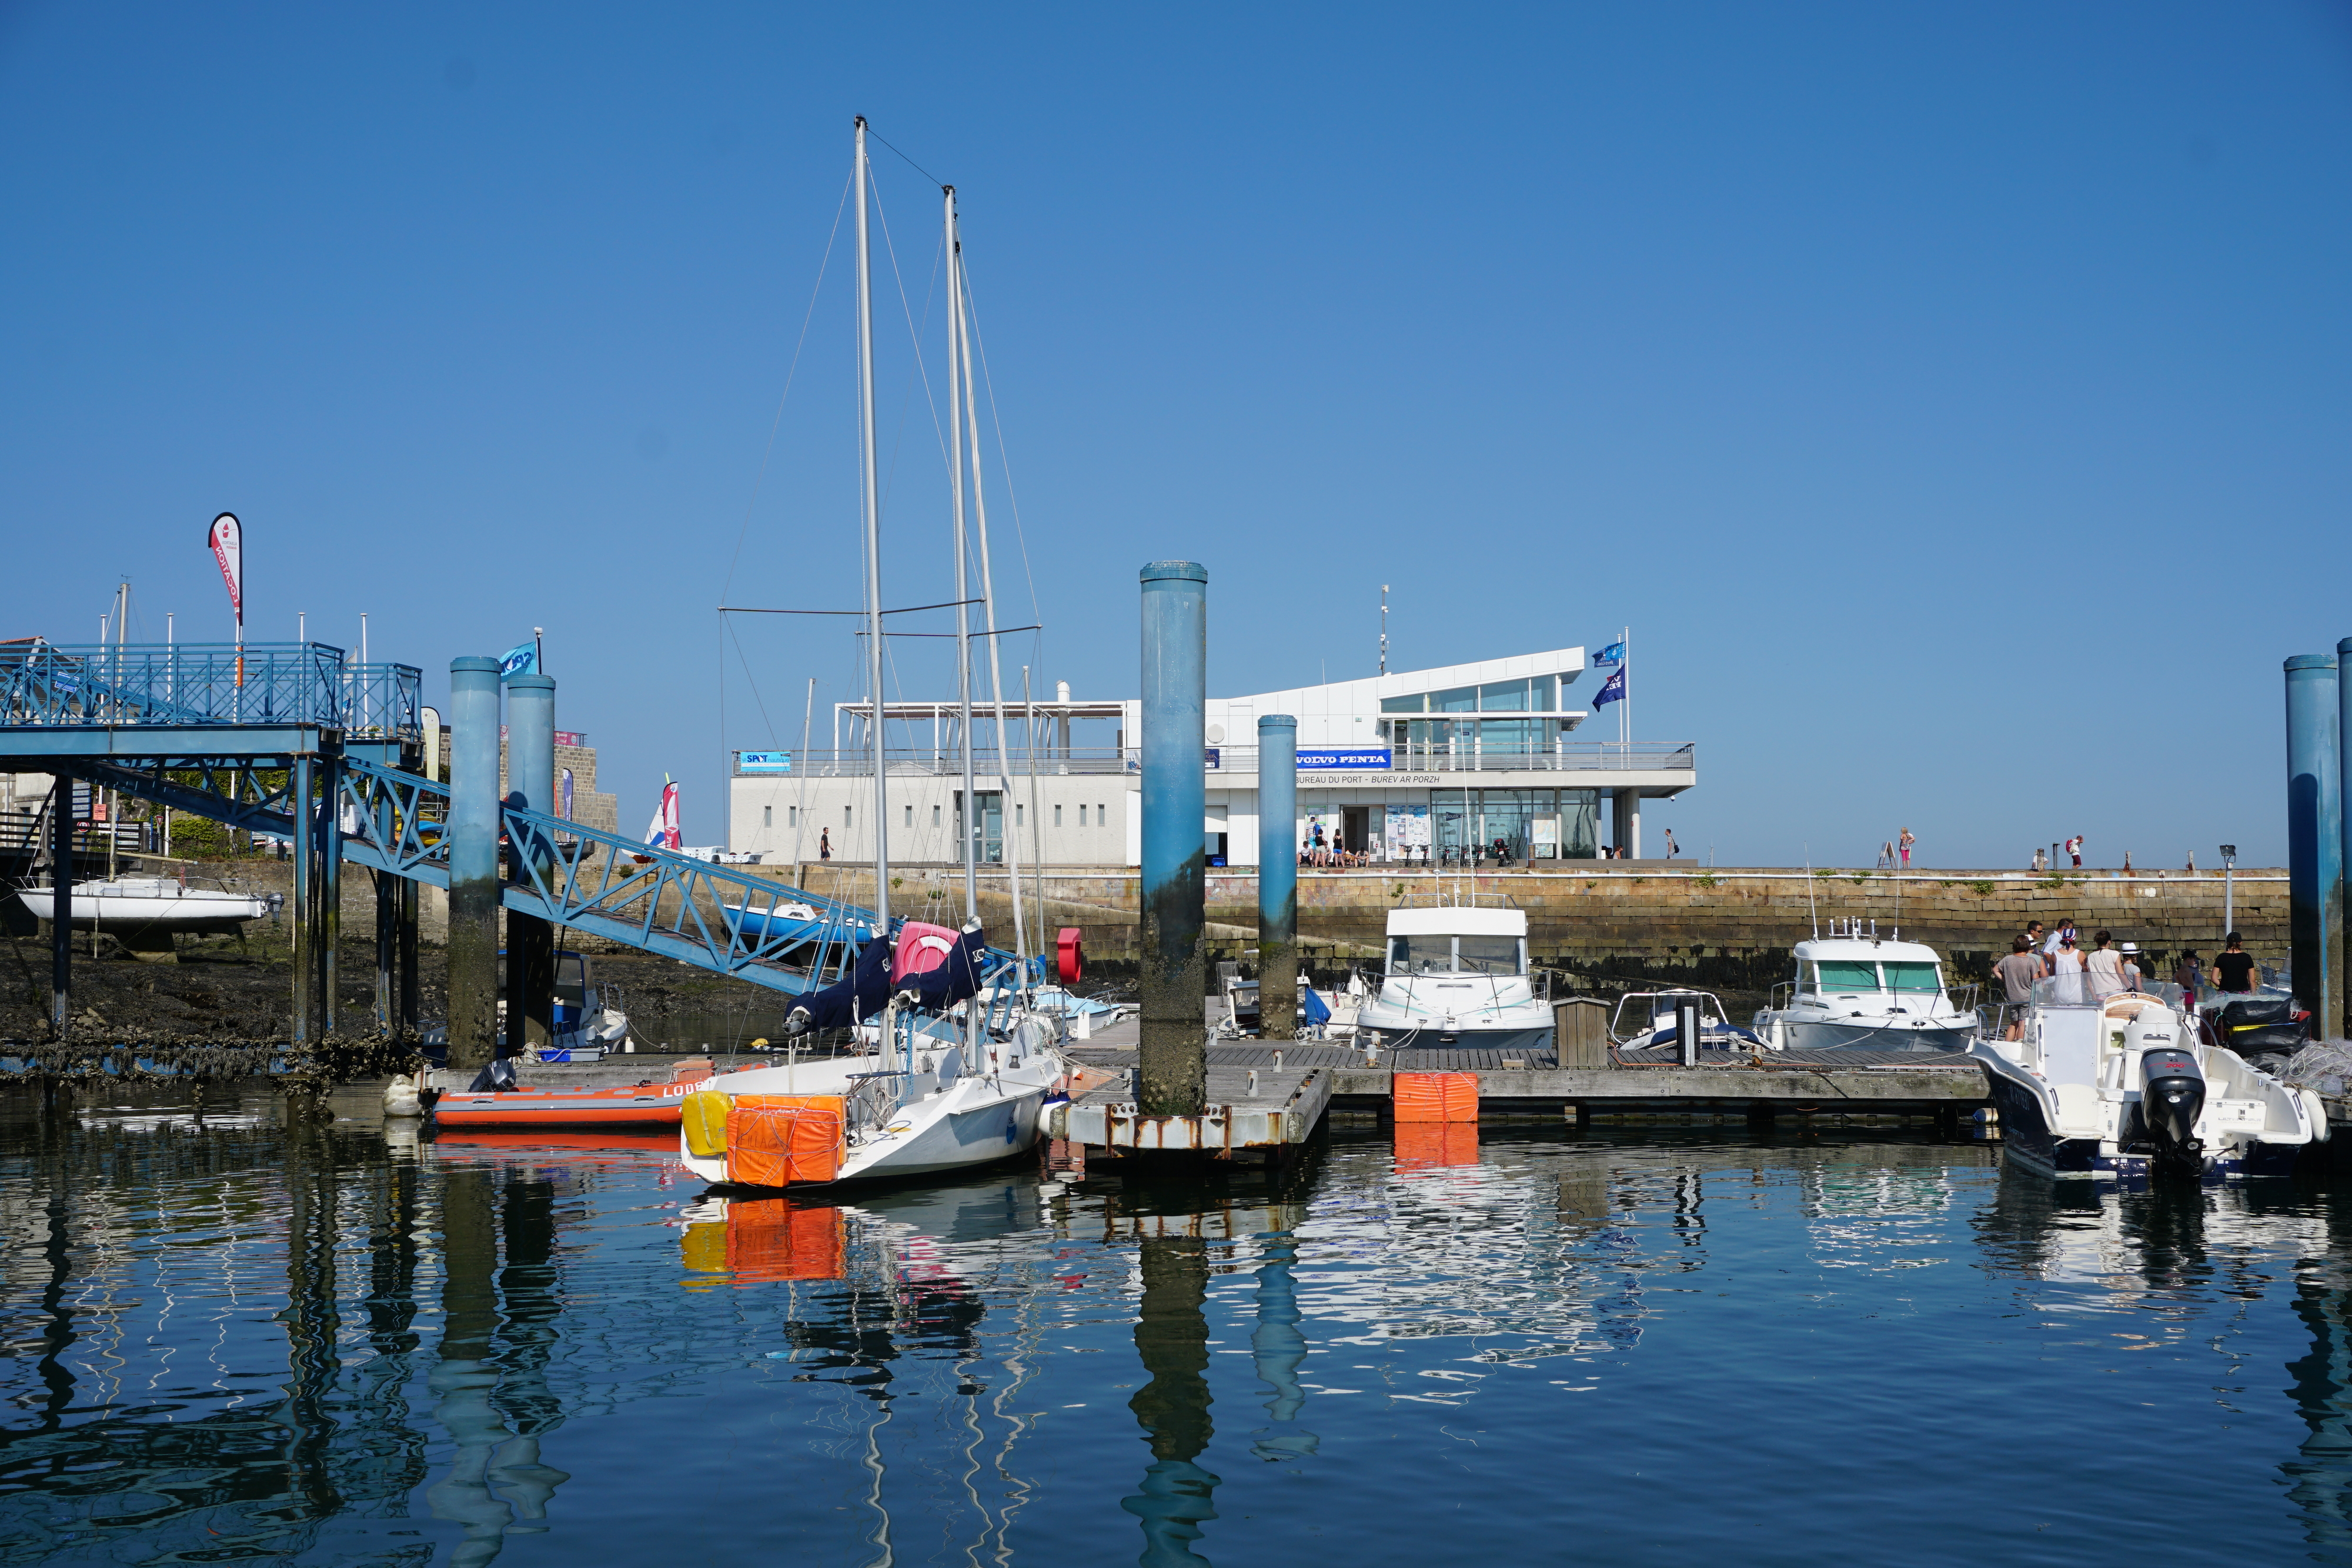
x,y
1954,400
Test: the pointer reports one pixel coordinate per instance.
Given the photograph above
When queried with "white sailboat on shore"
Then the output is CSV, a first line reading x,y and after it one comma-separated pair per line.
x,y
918,1103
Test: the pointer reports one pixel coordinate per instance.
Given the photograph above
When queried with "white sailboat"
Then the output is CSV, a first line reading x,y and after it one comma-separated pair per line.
x,y
919,1103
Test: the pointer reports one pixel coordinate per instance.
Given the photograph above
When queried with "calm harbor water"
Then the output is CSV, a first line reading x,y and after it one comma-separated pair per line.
x,y
229,1339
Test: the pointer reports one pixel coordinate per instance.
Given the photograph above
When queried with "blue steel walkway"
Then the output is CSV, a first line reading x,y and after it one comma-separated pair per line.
x,y
242,735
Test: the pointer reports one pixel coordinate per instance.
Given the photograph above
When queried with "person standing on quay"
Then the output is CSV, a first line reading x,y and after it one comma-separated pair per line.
x,y
1672,849
2074,851
1904,841
824,844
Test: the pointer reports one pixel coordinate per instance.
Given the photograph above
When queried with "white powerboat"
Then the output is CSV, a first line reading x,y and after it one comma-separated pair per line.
x,y
149,902
1865,993
1457,978
2121,1086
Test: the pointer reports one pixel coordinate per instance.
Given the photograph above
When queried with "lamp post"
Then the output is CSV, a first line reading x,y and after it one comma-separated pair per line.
x,y
2229,888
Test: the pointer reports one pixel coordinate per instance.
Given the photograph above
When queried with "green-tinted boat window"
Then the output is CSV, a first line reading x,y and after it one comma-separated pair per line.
x,y
1912,977
1845,975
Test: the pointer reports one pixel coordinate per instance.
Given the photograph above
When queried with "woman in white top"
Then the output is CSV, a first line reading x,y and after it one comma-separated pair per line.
x,y
2106,968
2066,972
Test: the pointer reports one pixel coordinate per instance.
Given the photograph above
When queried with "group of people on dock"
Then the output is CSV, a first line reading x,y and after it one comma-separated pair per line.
x,y
2080,975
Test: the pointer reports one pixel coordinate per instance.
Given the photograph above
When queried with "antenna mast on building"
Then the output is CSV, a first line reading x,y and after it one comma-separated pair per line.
x,y
1384,628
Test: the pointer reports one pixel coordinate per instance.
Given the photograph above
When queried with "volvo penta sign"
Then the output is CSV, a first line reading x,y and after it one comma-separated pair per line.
x,y
1334,758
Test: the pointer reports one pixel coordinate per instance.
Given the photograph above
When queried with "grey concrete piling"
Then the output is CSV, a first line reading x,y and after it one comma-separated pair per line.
x,y
2314,837
1173,1062
1277,875
473,943
530,783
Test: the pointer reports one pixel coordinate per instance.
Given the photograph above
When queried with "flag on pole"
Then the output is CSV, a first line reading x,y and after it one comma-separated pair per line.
x,y
664,833
521,660
1612,690
1613,654
225,537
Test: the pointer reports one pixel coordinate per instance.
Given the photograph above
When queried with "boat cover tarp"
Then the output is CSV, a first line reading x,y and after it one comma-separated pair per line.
x,y
861,996
857,998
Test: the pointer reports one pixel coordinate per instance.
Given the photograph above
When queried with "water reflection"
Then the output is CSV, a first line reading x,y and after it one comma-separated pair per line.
x,y
490,1382
1171,1337
221,1336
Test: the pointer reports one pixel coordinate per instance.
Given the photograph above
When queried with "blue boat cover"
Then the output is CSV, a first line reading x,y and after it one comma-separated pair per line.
x,y
860,997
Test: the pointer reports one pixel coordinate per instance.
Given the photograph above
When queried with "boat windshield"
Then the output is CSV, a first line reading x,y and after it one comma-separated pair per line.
x,y
1456,954
1488,955
1906,976
1845,975
1421,955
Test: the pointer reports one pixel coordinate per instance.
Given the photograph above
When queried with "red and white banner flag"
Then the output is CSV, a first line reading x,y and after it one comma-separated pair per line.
x,y
664,833
226,537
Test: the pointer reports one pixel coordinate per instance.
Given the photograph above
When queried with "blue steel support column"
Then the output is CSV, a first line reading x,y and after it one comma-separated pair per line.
x,y
1173,1075
305,935
2314,835
530,783
61,880
330,886
2343,966
1277,875
473,861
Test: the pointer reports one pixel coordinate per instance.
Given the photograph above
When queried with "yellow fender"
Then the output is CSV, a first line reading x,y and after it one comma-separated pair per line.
x,y
704,1116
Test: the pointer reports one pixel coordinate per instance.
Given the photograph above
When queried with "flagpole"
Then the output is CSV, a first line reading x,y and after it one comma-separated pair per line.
x,y
1625,696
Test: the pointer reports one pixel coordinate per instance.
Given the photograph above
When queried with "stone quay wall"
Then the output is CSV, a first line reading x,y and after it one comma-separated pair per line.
x,y
1634,925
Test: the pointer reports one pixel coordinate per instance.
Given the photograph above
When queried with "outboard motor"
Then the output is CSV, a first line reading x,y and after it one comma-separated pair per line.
x,y
2171,1098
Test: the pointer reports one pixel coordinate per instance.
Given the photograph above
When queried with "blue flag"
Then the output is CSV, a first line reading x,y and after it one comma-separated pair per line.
x,y
519,660
1612,690
1613,654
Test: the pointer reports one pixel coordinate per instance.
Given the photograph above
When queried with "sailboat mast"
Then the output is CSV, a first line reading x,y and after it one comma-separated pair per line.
x,y
1012,840
969,815
872,476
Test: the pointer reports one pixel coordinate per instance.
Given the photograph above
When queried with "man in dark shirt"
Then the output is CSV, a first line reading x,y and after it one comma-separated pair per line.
x,y
2234,970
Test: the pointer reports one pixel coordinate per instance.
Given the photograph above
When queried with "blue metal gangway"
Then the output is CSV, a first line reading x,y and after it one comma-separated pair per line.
x,y
243,735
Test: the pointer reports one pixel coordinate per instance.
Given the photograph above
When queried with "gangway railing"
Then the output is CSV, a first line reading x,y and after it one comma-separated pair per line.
x,y
49,684
714,918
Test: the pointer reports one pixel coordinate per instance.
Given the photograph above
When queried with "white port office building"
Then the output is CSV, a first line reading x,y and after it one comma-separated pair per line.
x,y
1462,764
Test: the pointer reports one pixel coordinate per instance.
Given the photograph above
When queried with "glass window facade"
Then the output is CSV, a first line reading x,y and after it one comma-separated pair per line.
x,y
1524,824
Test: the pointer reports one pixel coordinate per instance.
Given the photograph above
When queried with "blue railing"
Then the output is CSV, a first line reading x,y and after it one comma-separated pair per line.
x,y
607,884
49,684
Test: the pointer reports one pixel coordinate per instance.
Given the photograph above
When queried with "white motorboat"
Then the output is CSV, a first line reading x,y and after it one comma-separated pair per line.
x,y
149,902
1457,978
1656,1014
2121,1085
1865,993
906,1111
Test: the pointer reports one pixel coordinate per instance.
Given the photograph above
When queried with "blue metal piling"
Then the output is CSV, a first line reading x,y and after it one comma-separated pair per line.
x,y
2314,836
531,782
473,861
1277,875
1172,1058
330,915
303,904
61,882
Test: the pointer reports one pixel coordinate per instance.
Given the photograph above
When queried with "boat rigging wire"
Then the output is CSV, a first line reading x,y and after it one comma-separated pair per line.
x,y
777,422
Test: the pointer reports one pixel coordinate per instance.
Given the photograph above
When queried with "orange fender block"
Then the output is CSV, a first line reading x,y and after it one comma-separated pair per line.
x,y
1437,1096
778,1140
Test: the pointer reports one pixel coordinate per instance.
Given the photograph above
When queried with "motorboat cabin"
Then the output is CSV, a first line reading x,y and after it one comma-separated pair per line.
x,y
1867,993
1458,976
